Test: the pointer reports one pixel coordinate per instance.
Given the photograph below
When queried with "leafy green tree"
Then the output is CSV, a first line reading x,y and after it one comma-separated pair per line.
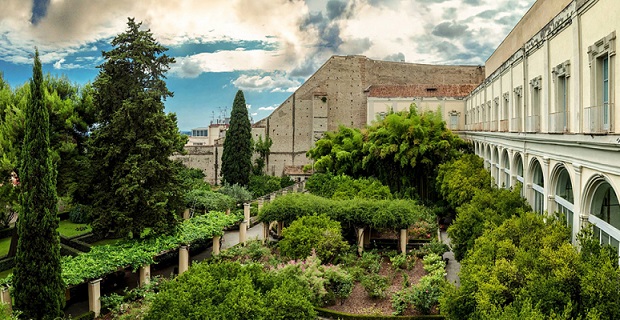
x,y
458,180
340,152
135,184
262,149
39,289
263,184
487,209
237,154
309,233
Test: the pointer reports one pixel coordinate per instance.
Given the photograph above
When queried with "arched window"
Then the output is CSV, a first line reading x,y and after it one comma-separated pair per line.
x,y
506,164
564,197
519,167
605,215
538,186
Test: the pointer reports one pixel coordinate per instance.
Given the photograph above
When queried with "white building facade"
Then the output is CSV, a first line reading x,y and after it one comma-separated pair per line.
x,y
545,115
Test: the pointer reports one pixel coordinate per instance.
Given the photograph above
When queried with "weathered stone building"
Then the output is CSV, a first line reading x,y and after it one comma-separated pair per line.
x,y
338,93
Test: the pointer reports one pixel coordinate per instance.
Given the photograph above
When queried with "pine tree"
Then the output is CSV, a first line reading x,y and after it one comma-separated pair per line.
x,y
135,184
39,289
237,154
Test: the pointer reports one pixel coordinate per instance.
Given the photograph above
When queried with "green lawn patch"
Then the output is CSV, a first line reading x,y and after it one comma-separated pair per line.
x,y
70,229
106,241
5,273
5,243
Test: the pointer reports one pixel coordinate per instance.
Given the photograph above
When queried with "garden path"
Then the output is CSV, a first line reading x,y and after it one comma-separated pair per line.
x,y
453,267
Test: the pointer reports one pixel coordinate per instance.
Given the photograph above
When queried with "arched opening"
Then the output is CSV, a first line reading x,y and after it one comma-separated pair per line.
x,y
605,214
506,166
519,171
538,187
564,198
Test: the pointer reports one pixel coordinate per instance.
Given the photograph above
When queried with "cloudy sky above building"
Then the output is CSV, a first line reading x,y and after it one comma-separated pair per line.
x,y
265,47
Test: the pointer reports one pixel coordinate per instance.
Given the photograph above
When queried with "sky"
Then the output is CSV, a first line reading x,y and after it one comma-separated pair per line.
x,y
267,48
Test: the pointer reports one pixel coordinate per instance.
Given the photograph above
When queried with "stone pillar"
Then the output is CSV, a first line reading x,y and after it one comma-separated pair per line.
x,y
580,218
186,214
547,192
403,240
94,295
5,297
228,211
145,275
284,192
265,231
295,186
260,204
243,227
216,245
360,241
272,196
246,214
183,259
367,236
280,227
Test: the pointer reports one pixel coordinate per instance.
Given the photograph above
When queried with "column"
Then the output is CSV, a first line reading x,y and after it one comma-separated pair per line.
x,y
360,240
183,259
145,274
265,231
403,240
186,214
5,297
284,192
295,186
580,218
260,204
246,213
243,227
545,169
272,196
216,245
94,295
228,211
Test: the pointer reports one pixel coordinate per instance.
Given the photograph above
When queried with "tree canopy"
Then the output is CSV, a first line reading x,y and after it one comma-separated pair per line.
x,y
39,289
134,183
237,154
402,150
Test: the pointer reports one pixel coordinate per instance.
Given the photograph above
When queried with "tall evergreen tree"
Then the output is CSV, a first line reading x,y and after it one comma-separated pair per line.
x,y
135,184
237,155
39,289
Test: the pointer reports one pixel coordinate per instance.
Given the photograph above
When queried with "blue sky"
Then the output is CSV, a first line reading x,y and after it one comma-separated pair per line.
x,y
267,48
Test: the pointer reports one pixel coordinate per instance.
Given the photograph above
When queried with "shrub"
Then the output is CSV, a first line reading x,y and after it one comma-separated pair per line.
x,y
370,262
81,214
237,192
200,200
262,185
375,285
425,296
340,283
230,290
399,261
286,181
312,232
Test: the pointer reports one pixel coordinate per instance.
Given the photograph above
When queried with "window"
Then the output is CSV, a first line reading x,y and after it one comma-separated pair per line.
x,y
558,120
533,120
598,115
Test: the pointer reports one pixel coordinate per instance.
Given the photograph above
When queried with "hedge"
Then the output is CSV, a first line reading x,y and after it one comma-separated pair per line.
x,y
331,314
102,260
75,244
379,214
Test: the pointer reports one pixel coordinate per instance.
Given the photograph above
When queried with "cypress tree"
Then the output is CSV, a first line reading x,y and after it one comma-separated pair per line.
x,y
237,154
39,289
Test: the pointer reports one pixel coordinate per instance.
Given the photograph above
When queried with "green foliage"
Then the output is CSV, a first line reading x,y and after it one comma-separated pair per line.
x,y
310,233
191,178
262,185
379,214
134,183
399,261
38,285
9,203
459,180
6,314
434,246
81,214
375,285
102,260
237,154
529,259
402,150
286,181
200,201
232,291
488,208
262,150
343,187
112,302
239,193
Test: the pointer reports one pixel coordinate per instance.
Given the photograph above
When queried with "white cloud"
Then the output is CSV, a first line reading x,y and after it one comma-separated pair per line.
x,y
60,64
270,108
274,83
